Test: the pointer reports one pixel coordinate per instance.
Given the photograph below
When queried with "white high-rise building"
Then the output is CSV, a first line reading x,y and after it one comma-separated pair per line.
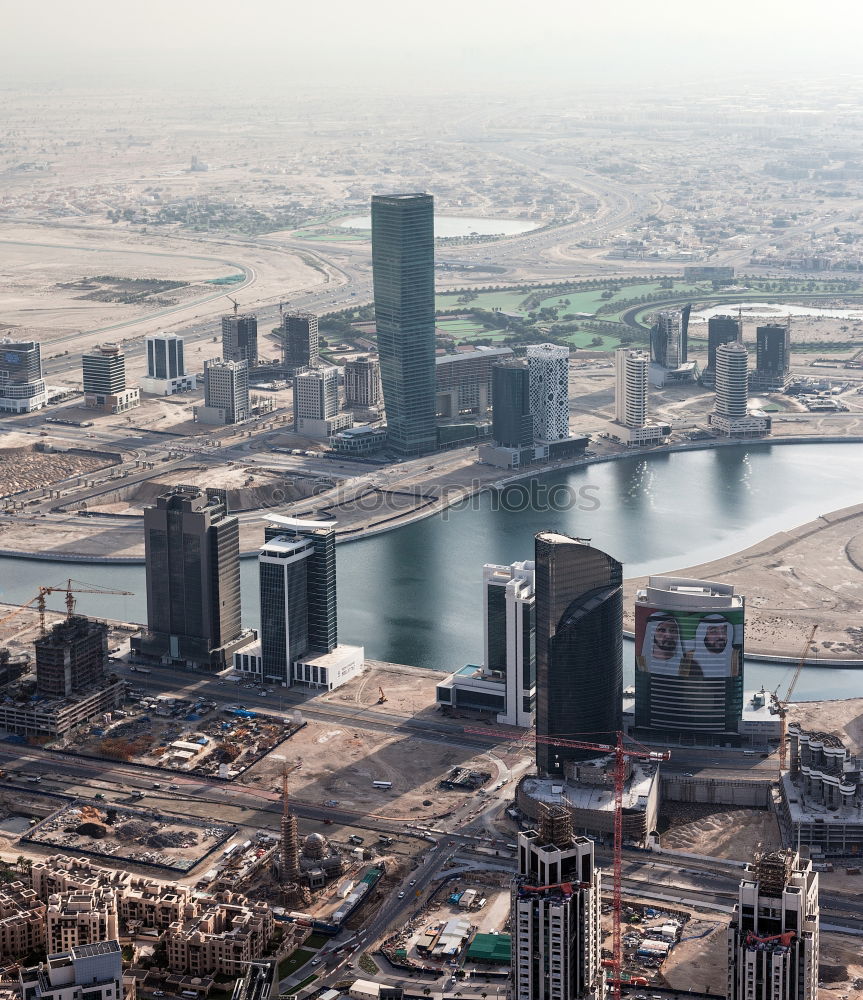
x,y
22,388
773,935
731,414
548,366
226,392
510,640
316,403
630,399
506,682
362,383
556,933
166,367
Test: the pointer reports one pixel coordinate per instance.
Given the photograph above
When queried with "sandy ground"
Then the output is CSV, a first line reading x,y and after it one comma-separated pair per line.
x,y
702,962
718,831
340,762
35,260
842,718
792,580
24,468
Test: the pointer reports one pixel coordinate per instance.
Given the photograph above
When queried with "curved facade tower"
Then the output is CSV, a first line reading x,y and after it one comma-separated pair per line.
x,y
579,651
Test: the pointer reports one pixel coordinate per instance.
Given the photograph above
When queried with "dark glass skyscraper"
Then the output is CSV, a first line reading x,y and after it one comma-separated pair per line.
x,y
772,357
579,647
320,577
300,342
720,330
403,271
512,421
192,551
240,339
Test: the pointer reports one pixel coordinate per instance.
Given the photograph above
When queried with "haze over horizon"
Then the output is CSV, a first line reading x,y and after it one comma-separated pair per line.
x,y
486,46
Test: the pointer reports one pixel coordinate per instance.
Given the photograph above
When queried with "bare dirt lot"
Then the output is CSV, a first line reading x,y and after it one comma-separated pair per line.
x,y
792,580
718,831
24,468
134,835
842,718
340,762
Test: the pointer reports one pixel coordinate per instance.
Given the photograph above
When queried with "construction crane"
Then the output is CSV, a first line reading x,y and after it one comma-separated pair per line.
x,y
69,591
780,706
382,698
621,754
235,303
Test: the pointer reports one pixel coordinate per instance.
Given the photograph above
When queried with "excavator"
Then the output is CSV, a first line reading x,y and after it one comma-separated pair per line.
x,y
382,699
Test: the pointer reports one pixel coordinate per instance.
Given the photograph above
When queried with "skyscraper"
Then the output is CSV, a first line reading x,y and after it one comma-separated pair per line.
x,y
510,636
772,357
299,620
166,367
323,625
226,392
579,646
548,366
240,338
773,937
362,383
403,272
631,397
720,330
299,332
104,381
669,338
22,388
555,914
731,414
192,552
512,421
689,657
316,403
72,657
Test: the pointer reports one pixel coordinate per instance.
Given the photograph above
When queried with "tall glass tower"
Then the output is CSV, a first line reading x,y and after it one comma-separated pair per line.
x,y
403,272
579,647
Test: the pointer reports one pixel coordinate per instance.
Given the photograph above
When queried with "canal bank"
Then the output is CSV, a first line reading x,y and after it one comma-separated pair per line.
x,y
415,595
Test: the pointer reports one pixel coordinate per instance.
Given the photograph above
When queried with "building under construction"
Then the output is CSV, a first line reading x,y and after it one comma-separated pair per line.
x,y
72,657
556,932
773,934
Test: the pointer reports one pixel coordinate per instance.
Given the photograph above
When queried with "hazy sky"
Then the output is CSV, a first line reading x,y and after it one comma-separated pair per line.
x,y
438,44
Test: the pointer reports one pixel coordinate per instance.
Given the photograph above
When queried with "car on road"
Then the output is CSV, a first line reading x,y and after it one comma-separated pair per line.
x,y
413,881
402,894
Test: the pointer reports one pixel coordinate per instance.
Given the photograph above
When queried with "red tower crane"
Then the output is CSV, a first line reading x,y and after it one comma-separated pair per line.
x,y
620,753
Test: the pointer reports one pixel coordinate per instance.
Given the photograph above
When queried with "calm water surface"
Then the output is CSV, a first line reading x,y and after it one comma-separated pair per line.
x,y
414,595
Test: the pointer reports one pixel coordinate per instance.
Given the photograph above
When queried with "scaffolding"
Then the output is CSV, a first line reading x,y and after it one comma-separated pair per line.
x,y
773,871
555,825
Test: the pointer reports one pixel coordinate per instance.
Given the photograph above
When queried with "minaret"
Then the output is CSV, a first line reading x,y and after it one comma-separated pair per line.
x,y
289,854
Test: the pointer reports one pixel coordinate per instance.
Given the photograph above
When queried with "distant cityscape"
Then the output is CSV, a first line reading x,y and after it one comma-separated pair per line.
x,y
621,797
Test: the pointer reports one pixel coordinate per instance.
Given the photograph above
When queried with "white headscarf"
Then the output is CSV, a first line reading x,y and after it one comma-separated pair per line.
x,y
714,664
654,664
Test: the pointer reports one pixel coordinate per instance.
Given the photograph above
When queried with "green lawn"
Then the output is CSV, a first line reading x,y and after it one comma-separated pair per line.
x,y
315,941
293,961
507,301
304,982
459,327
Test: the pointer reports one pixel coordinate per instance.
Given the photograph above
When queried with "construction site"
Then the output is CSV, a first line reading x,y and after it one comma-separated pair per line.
x,y
129,835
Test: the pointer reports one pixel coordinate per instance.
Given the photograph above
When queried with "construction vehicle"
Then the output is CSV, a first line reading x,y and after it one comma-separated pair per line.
x,y
779,706
382,698
620,753
68,590
784,939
